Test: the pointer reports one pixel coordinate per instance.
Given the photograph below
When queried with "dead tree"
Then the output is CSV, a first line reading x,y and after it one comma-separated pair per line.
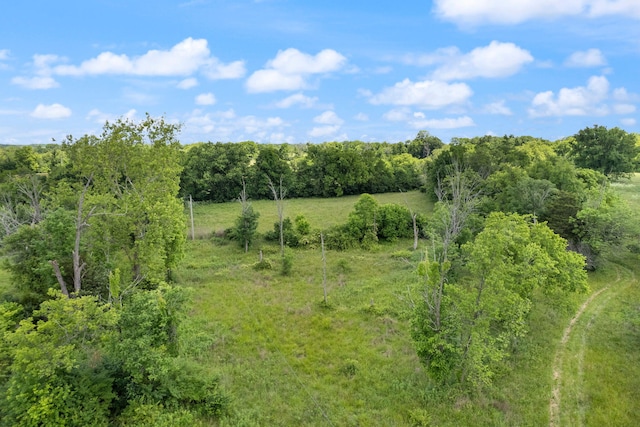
x,y
279,194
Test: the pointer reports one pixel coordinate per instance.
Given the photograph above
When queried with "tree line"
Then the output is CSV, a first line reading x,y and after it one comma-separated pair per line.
x,y
92,228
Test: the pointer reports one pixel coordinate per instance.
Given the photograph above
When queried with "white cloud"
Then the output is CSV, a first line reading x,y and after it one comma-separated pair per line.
x,y
216,70
624,108
319,131
428,94
183,59
188,83
397,115
273,80
630,8
585,59
497,107
446,123
4,55
497,59
98,116
53,111
331,122
206,99
292,61
621,95
290,69
578,101
43,63
37,82
517,11
628,121
492,61
226,125
361,117
297,99
328,118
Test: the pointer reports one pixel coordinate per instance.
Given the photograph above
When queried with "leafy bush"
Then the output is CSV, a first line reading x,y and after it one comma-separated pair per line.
x,y
394,222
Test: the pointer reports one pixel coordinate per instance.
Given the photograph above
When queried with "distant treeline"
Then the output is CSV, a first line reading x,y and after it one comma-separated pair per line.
x,y
214,172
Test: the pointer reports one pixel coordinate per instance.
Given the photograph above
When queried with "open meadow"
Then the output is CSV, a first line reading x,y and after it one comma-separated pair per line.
x,y
288,359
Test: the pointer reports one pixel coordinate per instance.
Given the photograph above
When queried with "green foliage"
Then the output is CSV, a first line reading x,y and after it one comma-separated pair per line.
x,y
610,151
215,171
603,223
290,235
485,312
31,250
394,222
132,173
58,376
287,263
84,362
244,231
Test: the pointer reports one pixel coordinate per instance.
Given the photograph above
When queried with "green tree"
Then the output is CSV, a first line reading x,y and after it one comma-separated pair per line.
x,y
58,376
484,312
423,145
610,151
603,223
246,224
132,172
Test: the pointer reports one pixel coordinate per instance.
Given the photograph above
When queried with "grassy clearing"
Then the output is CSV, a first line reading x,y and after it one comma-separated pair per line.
x,y
321,213
289,360
601,360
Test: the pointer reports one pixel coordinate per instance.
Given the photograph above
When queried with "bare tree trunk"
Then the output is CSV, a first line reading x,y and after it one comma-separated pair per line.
x,y
414,217
81,223
32,190
278,195
193,231
415,231
324,269
63,284
460,196
243,199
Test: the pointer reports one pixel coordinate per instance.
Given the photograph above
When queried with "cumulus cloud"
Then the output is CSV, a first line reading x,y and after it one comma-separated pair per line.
x,y
361,117
578,101
397,115
320,131
331,124
628,121
297,99
495,60
497,107
4,54
183,59
585,59
187,83
98,116
430,94
37,82
53,111
206,99
624,108
42,70
446,123
328,118
517,11
226,125
290,69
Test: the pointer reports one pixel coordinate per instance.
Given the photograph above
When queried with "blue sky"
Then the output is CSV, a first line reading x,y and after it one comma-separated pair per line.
x,y
302,71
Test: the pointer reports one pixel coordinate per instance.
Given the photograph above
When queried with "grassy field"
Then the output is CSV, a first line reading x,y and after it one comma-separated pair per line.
x,y
289,360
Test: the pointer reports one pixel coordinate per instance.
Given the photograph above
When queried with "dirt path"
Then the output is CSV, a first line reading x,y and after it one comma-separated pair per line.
x,y
554,403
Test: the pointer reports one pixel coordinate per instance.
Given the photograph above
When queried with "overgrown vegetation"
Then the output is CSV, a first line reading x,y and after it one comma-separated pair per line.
x,y
396,309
